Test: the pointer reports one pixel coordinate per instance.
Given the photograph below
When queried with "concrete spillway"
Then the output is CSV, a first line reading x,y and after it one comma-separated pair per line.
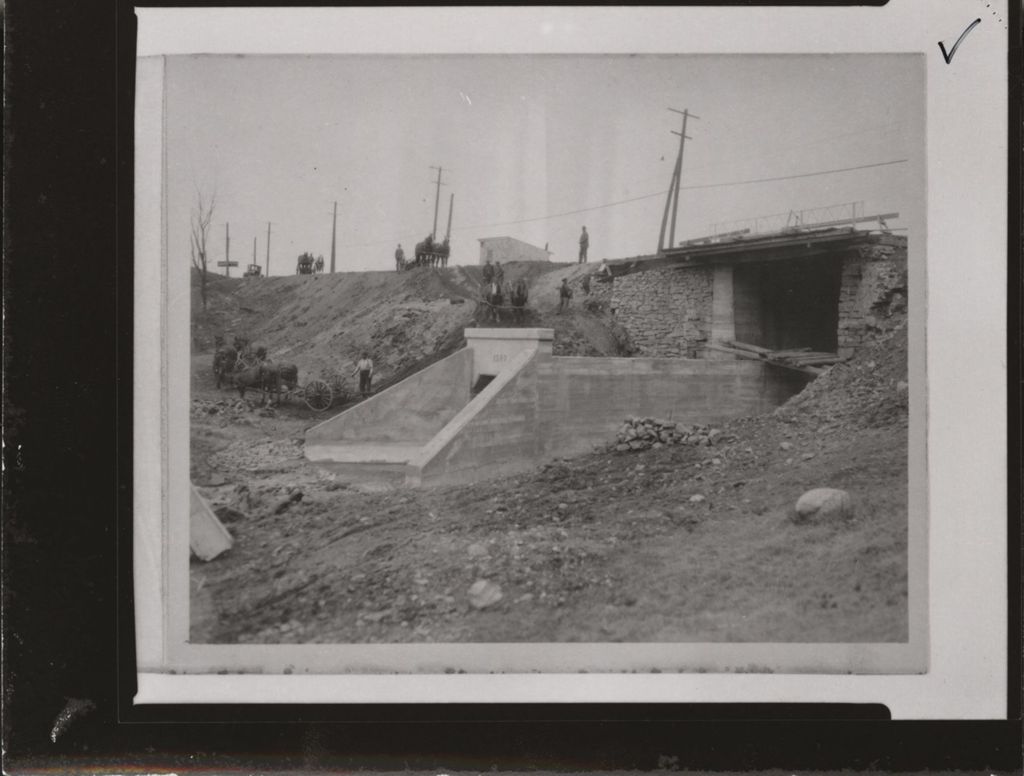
x,y
430,429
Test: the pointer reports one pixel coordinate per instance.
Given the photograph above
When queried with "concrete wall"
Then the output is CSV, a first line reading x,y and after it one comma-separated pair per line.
x,y
505,249
496,433
584,400
411,411
872,294
494,349
543,406
666,312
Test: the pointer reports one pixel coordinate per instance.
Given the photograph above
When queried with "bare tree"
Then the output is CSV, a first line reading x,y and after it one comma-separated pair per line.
x,y
202,216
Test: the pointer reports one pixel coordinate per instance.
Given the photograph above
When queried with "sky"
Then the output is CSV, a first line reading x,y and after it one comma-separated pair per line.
x,y
525,141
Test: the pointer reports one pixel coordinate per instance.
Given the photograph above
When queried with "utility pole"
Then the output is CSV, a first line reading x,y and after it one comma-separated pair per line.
x,y
437,201
253,250
672,202
268,250
227,250
334,233
451,202
664,216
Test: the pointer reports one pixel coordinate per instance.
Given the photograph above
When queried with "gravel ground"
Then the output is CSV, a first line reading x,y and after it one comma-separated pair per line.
x,y
687,542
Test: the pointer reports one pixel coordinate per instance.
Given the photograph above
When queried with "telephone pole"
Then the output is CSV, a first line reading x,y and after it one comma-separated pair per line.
x,y
253,250
268,249
227,250
437,202
672,201
451,202
334,233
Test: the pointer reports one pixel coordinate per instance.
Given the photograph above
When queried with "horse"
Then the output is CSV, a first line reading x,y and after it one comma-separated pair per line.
x,y
518,295
423,251
260,378
224,360
318,267
279,378
493,298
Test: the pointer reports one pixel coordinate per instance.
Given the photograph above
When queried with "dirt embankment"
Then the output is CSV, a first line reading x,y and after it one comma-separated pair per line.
x,y
403,320
682,543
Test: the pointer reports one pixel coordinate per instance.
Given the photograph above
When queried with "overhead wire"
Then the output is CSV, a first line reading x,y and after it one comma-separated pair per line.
x,y
651,196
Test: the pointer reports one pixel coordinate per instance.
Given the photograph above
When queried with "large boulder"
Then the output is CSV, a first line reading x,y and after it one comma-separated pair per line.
x,y
823,504
484,593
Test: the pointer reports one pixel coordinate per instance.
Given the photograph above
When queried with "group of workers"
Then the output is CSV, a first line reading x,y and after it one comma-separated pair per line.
x,y
492,273
584,247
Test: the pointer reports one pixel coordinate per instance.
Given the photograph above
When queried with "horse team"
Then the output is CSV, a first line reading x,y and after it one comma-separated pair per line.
x,y
307,265
427,253
247,368
499,295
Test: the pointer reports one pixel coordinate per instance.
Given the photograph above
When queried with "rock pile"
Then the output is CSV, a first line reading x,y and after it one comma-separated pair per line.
x,y
869,391
227,410
654,433
250,456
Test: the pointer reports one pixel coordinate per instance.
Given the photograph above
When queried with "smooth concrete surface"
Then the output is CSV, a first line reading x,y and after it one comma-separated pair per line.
x,y
494,349
363,452
496,433
544,406
723,316
538,406
409,412
582,401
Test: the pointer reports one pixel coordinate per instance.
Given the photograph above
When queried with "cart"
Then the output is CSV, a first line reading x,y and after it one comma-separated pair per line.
x,y
322,393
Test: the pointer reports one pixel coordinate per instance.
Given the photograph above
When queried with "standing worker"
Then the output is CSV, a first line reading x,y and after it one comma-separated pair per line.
x,y
399,258
584,244
488,272
365,369
499,273
564,295
586,285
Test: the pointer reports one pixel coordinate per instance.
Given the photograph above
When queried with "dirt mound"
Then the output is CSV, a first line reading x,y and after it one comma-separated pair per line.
x,y
691,541
869,391
404,320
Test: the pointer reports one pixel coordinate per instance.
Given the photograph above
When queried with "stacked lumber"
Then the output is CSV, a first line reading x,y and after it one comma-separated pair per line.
x,y
803,359
643,433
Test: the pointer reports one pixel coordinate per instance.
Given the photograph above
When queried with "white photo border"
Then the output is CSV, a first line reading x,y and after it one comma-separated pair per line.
x,y
961,569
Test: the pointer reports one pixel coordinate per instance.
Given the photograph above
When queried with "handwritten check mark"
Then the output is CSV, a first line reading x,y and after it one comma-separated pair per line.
x,y
949,56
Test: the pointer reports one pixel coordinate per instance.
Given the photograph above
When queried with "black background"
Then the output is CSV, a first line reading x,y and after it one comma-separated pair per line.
x,y
69,71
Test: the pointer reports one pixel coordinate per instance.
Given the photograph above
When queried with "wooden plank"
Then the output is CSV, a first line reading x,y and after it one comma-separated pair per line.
x,y
715,238
816,357
734,351
790,352
747,346
813,357
755,357
843,222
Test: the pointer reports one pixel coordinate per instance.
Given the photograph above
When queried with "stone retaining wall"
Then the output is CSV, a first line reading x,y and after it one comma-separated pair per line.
x,y
666,312
873,295
670,312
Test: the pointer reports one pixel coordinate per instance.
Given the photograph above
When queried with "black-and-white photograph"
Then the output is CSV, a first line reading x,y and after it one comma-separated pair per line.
x,y
546,348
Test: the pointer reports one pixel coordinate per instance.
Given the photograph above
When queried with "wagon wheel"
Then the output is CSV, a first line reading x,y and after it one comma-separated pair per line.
x,y
318,395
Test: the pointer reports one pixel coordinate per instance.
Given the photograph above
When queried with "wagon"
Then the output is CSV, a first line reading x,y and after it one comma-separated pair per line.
x,y
322,393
